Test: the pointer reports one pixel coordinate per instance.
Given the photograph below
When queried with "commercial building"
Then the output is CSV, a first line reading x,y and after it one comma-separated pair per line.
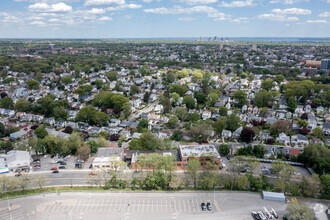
x,y
203,153
325,64
15,160
105,156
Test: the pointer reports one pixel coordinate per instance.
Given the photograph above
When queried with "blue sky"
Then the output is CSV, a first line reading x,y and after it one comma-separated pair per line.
x,y
163,18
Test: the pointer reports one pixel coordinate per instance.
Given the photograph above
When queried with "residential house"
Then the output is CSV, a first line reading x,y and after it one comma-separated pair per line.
x,y
283,138
299,140
206,114
226,134
264,136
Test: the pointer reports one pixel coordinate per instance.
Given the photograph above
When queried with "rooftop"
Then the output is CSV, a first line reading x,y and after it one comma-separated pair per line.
x,y
198,150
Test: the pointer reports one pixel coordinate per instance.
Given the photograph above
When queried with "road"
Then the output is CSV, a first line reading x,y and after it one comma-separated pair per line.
x,y
138,113
137,205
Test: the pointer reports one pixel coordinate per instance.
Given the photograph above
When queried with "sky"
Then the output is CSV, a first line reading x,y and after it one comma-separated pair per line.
x,y
163,18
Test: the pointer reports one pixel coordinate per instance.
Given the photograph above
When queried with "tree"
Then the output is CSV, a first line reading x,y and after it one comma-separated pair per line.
x,y
100,118
284,177
66,79
112,75
192,170
247,135
262,98
197,75
302,123
143,125
32,84
292,104
83,152
23,105
240,97
177,135
46,106
223,111
279,78
40,180
60,113
193,117
181,113
200,132
167,105
2,130
233,122
267,84
127,107
175,98
23,181
134,89
7,184
298,211
325,181
219,125
259,151
200,97
263,112
189,102
146,97
99,83
224,150
212,98
41,132
310,186
173,122
147,141
7,103
282,126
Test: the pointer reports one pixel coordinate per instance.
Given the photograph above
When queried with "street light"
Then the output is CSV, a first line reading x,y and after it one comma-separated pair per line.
x,y
9,209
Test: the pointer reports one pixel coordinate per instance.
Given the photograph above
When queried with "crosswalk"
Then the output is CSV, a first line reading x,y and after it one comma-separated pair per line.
x,y
14,214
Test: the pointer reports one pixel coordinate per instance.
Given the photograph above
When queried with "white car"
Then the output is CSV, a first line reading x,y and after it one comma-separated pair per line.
x,y
274,213
53,162
262,216
45,156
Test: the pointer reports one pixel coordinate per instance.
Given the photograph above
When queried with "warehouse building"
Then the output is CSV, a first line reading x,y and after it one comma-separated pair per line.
x,y
274,196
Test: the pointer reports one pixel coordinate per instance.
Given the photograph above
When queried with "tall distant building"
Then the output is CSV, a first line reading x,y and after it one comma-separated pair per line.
x,y
200,39
51,47
325,64
210,38
215,38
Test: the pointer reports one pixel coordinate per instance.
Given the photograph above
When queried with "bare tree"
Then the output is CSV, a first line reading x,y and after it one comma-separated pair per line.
x,y
23,181
41,180
7,184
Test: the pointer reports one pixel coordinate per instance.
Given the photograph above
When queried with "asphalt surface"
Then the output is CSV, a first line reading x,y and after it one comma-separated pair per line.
x,y
136,205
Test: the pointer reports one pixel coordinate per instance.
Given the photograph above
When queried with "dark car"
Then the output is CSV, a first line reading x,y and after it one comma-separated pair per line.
x,y
209,206
55,171
91,166
203,206
255,216
61,162
61,167
36,160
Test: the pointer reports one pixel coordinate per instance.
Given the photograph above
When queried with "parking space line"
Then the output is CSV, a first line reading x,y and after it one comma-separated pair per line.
x,y
105,204
78,205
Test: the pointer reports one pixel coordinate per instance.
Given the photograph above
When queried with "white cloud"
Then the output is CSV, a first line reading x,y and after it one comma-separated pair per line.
x,y
105,18
180,10
104,2
292,11
219,16
39,23
44,7
277,17
124,6
97,11
187,19
240,20
195,2
237,4
287,2
324,14
317,21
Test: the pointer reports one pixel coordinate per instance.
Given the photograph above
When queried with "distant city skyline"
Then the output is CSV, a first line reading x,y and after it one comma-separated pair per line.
x,y
164,18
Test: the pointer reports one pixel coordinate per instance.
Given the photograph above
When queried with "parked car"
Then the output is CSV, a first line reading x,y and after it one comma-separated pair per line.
x,y
53,162
61,162
55,171
203,206
45,156
53,168
92,173
255,216
36,166
61,167
209,206
262,216
274,213
90,166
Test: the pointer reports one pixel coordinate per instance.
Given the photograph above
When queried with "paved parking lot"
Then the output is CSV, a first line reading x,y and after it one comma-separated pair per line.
x,y
47,165
301,170
140,205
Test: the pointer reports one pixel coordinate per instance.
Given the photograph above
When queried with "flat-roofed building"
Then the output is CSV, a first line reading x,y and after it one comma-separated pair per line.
x,y
203,153
16,159
105,156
